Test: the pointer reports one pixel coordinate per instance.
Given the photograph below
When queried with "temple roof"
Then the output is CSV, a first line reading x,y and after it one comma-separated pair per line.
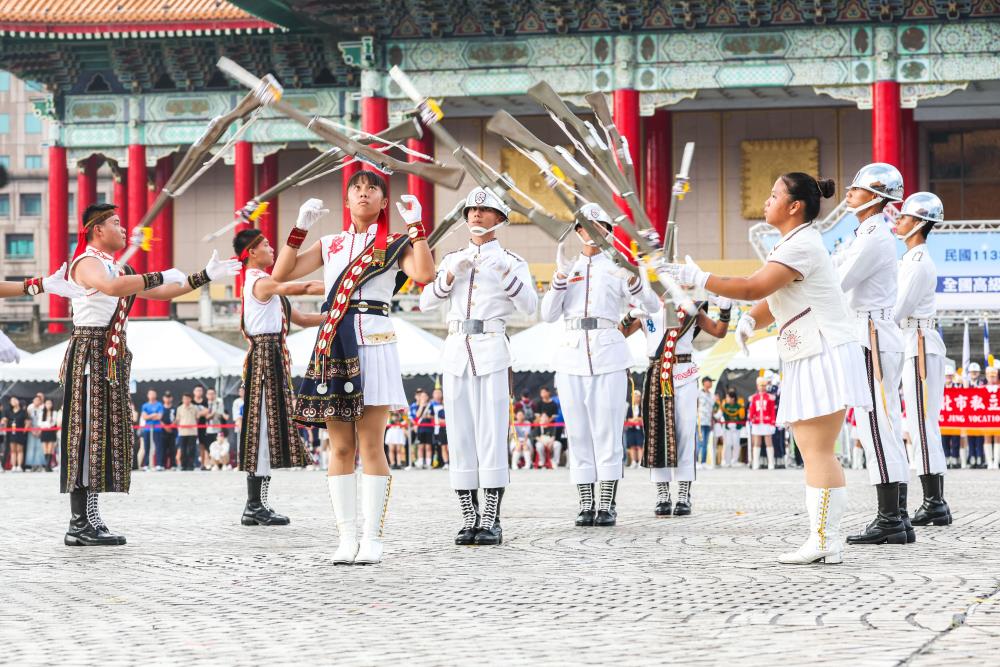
x,y
96,19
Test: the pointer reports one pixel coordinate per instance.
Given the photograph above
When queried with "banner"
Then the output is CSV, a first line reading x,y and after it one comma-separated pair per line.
x,y
973,408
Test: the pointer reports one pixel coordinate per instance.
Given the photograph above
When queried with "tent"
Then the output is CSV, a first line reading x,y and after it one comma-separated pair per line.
x,y
161,351
534,348
419,351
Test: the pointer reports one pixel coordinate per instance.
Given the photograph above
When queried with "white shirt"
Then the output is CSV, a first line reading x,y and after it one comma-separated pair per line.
x,y
480,295
917,285
339,250
654,328
95,309
868,278
812,308
260,317
595,287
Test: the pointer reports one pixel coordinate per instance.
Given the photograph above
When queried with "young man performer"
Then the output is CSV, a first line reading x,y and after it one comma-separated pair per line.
x,y
868,278
96,438
670,398
762,410
591,293
483,285
923,371
268,436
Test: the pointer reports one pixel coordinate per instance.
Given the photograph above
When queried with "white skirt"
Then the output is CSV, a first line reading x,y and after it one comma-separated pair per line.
x,y
381,377
824,383
761,429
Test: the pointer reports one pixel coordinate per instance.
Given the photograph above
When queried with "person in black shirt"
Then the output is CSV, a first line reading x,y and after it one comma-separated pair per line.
x,y
169,432
204,437
549,405
17,418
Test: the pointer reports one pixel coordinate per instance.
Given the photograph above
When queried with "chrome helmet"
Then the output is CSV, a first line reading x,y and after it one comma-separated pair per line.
x,y
923,206
881,179
483,198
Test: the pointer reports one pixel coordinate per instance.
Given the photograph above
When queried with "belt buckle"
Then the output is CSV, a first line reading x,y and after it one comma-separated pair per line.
x,y
588,323
362,307
473,327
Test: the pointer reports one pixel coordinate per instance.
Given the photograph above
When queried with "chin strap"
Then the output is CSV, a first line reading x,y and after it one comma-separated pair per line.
x,y
476,230
916,228
867,205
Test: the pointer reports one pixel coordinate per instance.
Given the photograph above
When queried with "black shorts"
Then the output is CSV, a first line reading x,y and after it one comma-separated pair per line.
x,y
425,437
633,438
441,438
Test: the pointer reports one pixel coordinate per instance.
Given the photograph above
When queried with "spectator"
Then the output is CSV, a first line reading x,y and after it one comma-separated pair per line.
x,y
395,441
50,419
763,412
170,454
152,432
521,450
422,418
34,458
549,405
440,429
204,440
17,418
547,446
733,416
218,452
187,431
992,440
527,406
215,418
634,436
706,419
237,410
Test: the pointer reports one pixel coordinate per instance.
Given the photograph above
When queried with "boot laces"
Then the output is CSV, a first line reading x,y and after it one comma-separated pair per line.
x,y
468,509
607,495
663,492
490,509
264,486
586,497
93,512
684,492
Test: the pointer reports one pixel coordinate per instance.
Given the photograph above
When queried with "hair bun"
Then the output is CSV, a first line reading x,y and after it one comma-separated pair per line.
x,y
826,187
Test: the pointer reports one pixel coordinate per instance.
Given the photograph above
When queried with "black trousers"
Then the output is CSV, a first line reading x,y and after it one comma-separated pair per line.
x,y
169,449
189,452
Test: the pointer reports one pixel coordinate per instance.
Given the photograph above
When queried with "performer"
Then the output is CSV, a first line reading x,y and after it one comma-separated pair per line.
x,y
923,371
670,398
96,437
268,437
54,284
591,293
353,379
799,291
732,417
483,285
762,410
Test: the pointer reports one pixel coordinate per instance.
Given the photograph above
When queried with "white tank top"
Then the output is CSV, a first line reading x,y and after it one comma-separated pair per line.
x,y
260,317
96,308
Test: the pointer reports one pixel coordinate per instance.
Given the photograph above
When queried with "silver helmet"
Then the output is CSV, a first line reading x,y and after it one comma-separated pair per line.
x,y
481,197
595,213
881,179
925,206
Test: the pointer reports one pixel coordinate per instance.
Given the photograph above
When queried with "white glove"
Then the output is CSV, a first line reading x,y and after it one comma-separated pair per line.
x,y
174,276
638,314
494,262
461,265
413,214
724,303
744,329
688,274
220,268
58,285
564,264
309,213
8,351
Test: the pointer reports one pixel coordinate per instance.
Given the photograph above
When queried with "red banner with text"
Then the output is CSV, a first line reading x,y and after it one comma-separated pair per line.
x,y
974,408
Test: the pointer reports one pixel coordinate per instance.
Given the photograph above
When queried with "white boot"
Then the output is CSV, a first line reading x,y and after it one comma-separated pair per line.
x,y
344,498
375,491
755,458
826,508
770,458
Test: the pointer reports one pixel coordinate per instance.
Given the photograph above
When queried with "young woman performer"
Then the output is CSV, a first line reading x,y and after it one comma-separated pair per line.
x,y
799,290
353,378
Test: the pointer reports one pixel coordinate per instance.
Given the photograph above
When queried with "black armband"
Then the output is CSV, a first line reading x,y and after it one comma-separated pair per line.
x,y
196,280
627,321
151,280
724,315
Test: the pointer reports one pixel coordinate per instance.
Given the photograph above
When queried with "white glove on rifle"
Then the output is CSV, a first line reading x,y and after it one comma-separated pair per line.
x,y
220,268
309,213
494,262
688,273
744,329
57,284
8,351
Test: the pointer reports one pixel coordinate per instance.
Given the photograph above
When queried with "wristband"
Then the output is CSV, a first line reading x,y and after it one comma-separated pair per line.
x,y
627,321
196,280
33,286
416,232
151,280
296,237
724,315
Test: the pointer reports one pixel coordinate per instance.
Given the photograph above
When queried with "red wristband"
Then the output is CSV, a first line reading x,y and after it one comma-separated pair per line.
x,y
33,286
416,232
296,237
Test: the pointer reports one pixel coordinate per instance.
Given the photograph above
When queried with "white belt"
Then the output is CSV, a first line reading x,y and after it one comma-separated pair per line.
x,y
918,323
589,323
475,327
877,314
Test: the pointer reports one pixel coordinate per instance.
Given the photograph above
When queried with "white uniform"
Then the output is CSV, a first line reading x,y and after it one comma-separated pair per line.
x,y
381,377
915,313
592,365
685,398
868,277
476,365
261,317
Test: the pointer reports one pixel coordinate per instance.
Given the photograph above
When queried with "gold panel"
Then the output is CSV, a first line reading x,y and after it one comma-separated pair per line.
x,y
526,176
764,160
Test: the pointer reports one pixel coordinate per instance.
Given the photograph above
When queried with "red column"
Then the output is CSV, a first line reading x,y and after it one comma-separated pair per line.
x,y
626,117
374,119
58,227
86,184
161,252
267,177
119,195
418,187
886,122
243,187
910,152
137,205
658,168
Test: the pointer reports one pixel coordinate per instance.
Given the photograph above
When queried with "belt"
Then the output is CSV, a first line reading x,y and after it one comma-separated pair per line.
x,y
475,327
877,314
589,323
918,323
370,307
678,358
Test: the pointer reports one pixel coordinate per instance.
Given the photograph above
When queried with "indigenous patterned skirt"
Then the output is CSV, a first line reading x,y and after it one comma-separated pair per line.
x,y
660,448
95,414
333,391
268,385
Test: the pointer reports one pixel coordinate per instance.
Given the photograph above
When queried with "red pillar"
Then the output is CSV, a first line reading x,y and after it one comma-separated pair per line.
x,y
138,196
658,168
267,177
418,187
626,118
910,152
243,187
886,122
374,119
58,227
119,195
161,252
86,184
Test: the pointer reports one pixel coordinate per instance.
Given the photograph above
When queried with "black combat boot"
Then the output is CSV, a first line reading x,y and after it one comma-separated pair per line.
x,y
934,509
663,505
86,528
887,527
257,512
490,533
911,535
469,502
683,506
587,514
607,513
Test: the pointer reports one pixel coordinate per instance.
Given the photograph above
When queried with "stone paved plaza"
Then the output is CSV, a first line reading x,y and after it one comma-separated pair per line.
x,y
193,586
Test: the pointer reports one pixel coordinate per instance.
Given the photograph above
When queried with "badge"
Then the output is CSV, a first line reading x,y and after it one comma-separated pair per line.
x,y
321,388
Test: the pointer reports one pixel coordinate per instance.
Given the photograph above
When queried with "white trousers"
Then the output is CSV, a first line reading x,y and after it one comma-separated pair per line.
x,y
594,407
881,430
730,446
686,421
263,449
927,448
477,409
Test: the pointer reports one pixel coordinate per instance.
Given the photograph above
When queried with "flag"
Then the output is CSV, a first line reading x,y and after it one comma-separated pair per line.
x,y
966,355
986,342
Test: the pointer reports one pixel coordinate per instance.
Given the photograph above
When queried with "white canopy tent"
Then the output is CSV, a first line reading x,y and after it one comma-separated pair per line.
x,y
419,351
161,351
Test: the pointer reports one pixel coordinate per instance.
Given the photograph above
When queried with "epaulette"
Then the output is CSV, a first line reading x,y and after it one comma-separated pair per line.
x,y
515,255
